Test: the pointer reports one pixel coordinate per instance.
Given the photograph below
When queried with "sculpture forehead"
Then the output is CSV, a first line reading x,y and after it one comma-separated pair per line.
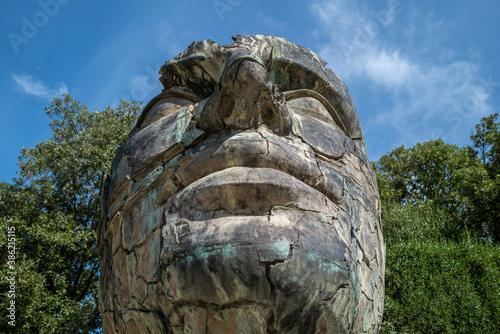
x,y
198,69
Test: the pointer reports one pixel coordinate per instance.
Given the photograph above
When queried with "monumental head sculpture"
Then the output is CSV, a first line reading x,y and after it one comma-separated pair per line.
x,y
243,201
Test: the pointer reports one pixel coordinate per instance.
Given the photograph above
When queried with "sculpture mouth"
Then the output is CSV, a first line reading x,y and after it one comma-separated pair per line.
x,y
255,188
313,154
246,191
245,226
277,163
264,208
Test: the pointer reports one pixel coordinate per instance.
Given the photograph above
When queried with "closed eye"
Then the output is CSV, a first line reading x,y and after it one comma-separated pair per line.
x,y
164,108
166,103
310,103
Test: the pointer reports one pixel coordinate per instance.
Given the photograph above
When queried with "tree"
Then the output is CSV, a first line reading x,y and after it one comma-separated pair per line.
x,y
451,177
486,144
54,206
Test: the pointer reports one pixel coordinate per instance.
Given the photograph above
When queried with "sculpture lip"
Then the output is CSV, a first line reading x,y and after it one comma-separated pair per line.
x,y
246,191
261,149
256,197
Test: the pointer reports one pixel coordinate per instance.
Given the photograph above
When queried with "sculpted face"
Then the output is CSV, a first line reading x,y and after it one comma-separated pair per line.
x,y
243,202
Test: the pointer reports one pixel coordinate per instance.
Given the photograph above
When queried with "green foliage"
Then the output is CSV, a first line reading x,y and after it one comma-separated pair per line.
x,y
486,141
422,221
486,144
451,177
54,206
442,287
425,171
441,227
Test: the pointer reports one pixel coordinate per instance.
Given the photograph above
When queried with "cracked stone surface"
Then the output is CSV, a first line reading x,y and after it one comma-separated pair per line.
x,y
243,201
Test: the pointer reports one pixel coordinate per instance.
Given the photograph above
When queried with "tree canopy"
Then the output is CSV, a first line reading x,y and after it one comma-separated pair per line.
x,y
54,206
463,180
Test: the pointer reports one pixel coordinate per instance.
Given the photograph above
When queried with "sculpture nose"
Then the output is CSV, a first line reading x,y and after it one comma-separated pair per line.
x,y
245,98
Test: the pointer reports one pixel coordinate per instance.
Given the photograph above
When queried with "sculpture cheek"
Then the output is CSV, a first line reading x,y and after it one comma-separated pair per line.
x,y
147,148
161,140
324,138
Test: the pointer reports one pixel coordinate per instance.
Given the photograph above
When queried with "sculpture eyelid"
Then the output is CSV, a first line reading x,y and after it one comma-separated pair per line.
x,y
295,94
169,93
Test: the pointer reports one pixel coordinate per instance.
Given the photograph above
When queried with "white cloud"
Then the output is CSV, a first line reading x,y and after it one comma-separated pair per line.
x,y
388,69
32,86
430,91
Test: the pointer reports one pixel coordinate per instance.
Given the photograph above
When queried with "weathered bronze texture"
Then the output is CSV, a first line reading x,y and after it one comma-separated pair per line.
x,y
243,201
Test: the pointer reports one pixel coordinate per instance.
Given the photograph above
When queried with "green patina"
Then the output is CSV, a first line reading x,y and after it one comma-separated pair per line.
x,y
330,265
189,138
147,180
204,252
180,124
275,251
274,68
154,249
149,219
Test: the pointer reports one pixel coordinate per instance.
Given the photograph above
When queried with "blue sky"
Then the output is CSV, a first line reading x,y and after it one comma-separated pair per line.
x,y
417,70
